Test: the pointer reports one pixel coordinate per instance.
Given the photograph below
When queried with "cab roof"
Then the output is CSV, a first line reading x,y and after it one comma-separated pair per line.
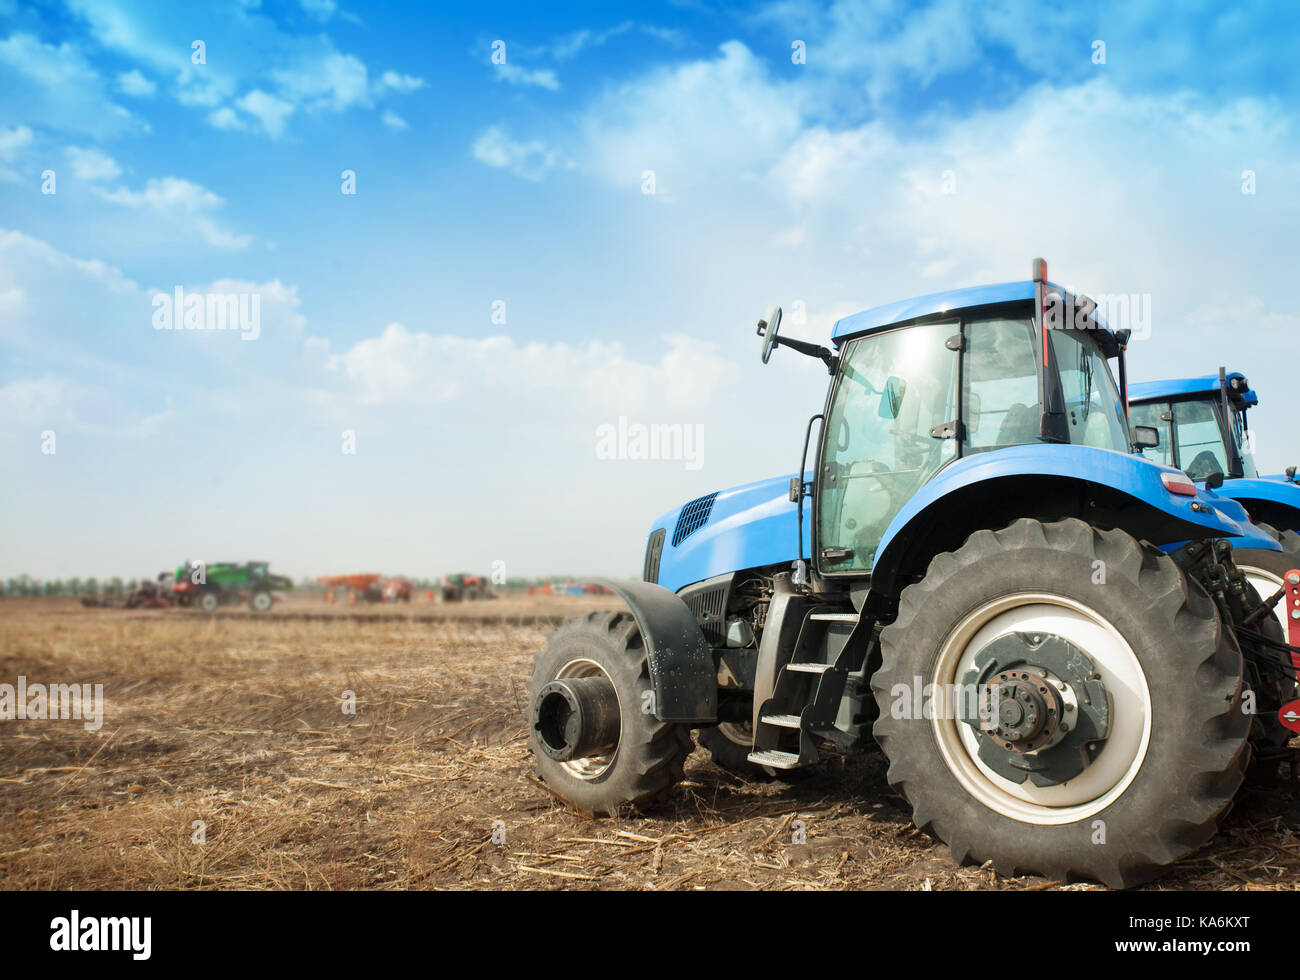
x,y
946,302
1150,391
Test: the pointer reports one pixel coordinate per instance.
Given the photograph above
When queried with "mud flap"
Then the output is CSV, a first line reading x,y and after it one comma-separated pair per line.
x,y
681,661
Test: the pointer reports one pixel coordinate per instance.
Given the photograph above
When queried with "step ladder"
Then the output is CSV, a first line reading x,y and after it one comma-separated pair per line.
x,y
806,696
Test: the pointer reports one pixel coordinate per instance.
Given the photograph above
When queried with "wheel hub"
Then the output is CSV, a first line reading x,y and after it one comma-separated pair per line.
x,y
1029,710
1044,713
576,717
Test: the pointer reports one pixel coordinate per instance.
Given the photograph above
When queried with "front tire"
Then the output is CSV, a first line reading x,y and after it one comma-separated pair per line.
x,y
209,601
1264,570
729,745
646,756
260,602
1149,793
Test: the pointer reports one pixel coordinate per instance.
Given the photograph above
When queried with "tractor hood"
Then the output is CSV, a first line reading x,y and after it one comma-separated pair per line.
x,y
728,531
754,525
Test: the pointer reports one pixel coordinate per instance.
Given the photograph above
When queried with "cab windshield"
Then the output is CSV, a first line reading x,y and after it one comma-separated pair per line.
x,y
882,441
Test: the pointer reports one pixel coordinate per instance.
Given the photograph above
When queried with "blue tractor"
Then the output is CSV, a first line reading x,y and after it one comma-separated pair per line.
x,y
1203,430
1202,426
1038,626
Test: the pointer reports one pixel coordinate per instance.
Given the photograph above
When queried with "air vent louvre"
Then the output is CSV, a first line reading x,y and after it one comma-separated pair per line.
x,y
693,517
654,549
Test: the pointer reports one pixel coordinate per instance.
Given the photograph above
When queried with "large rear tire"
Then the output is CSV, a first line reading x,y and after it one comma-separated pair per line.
x,y
1176,749
647,755
1264,569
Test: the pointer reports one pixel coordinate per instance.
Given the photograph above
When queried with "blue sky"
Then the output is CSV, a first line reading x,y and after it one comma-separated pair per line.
x,y
818,185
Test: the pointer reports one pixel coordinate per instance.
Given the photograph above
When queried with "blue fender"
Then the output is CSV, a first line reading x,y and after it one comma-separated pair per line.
x,y
744,527
1130,474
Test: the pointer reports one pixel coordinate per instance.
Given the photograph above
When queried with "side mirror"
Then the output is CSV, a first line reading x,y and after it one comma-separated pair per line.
x,y
1146,436
1214,480
1290,474
767,329
892,398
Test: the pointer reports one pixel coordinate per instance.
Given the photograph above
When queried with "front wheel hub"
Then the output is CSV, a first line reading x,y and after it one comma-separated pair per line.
x,y
576,717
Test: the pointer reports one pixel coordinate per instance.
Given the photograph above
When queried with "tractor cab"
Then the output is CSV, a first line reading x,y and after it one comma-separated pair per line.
x,y
1202,424
919,386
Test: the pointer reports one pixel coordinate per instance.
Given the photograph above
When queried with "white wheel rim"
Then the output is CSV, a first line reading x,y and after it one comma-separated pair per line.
x,y
1110,772
741,733
591,767
262,601
1266,584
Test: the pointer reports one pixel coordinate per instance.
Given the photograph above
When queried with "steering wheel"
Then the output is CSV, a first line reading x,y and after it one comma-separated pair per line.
x,y
842,435
1205,464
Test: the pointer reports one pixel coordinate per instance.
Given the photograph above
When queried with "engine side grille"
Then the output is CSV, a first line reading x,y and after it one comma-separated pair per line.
x,y
653,550
709,607
693,517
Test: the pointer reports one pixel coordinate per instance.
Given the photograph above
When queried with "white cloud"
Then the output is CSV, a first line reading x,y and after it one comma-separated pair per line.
x,y
321,10
537,77
225,118
530,160
174,198
270,111
597,379
89,163
13,140
401,83
697,123
12,302
571,45
56,85
248,51
19,248
335,81
34,401
393,121
134,83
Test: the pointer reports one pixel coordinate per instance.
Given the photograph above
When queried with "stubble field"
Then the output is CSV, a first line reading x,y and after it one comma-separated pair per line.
x,y
226,760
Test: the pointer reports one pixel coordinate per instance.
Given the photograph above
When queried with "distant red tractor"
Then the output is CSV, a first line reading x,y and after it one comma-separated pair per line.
x,y
464,587
151,594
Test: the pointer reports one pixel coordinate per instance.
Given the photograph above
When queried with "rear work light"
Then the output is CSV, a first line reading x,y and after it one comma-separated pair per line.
x,y
1178,483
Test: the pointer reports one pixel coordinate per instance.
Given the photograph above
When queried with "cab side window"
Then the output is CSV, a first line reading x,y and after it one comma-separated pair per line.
x,y
1200,440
